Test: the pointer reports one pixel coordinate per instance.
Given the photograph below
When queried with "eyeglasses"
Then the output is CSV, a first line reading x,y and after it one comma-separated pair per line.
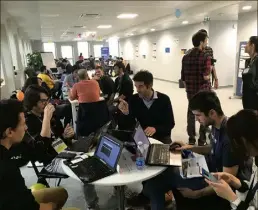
x,y
44,100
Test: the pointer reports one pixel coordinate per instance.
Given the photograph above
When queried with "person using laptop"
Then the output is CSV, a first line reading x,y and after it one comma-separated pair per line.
x,y
151,108
195,193
43,129
14,193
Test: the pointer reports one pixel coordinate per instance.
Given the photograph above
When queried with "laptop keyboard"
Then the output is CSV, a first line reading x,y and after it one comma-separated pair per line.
x,y
93,169
160,154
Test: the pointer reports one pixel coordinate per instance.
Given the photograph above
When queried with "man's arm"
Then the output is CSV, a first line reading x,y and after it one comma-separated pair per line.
x,y
183,73
73,93
203,150
207,68
168,120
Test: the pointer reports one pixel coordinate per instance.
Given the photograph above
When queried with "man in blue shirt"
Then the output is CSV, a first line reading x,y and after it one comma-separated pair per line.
x,y
71,79
195,192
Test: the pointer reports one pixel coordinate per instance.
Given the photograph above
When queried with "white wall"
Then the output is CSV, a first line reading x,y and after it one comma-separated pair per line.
x,y
15,44
167,66
247,26
223,38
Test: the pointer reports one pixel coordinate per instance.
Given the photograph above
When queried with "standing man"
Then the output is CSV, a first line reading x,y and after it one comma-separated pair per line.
x,y
209,51
196,69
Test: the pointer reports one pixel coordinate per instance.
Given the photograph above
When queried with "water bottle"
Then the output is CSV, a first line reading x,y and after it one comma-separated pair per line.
x,y
140,161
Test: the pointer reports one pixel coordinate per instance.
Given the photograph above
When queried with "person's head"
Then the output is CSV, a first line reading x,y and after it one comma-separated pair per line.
x,y
203,31
206,107
99,71
242,129
36,98
119,68
12,123
83,74
43,69
75,73
80,54
143,81
32,81
252,46
200,40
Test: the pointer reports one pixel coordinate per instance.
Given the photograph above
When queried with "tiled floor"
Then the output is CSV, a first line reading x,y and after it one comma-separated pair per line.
x,y
179,102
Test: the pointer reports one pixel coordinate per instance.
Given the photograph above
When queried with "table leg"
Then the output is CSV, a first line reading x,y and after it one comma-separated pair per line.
x,y
121,197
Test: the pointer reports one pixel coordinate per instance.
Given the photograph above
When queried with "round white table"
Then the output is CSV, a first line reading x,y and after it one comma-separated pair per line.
x,y
127,174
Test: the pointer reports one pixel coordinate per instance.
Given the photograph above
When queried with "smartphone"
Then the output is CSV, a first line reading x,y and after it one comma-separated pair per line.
x,y
208,175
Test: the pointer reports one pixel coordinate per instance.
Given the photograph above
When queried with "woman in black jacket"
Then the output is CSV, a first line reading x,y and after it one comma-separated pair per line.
x,y
242,131
250,75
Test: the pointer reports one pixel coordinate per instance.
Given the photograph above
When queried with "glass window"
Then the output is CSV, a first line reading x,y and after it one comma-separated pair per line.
x,y
97,51
83,48
113,46
50,47
67,52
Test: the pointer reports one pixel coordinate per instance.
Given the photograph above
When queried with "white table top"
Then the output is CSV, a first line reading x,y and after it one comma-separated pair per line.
x,y
127,171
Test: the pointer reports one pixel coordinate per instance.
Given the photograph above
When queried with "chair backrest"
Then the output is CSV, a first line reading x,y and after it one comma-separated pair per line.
x,y
91,117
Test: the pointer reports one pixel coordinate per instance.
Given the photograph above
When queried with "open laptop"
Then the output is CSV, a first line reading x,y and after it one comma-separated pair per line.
x,y
102,164
85,143
156,154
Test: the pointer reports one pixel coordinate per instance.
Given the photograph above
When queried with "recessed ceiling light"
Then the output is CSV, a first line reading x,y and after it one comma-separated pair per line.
x,y
77,39
104,26
153,29
130,34
246,7
185,22
127,16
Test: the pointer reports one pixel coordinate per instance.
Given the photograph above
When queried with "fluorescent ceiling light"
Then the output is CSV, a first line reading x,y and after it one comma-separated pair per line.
x,y
153,29
127,16
77,39
104,26
246,7
185,22
131,34
49,15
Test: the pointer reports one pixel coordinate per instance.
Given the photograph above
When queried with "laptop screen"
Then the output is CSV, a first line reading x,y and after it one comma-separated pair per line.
x,y
108,151
139,135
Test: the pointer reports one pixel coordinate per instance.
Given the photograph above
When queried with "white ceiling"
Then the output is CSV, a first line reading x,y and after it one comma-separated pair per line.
x,y
55,20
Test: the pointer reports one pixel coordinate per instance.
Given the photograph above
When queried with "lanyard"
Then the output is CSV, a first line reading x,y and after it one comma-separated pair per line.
x,y
252,191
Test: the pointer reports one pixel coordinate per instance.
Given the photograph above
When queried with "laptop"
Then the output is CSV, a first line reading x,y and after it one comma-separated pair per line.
x,y
156,154
85,143
102,164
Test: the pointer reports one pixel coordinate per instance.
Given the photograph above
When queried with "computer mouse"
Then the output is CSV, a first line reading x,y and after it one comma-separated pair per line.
x,y
173,147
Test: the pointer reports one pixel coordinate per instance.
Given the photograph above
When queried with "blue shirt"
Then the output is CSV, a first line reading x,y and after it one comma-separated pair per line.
x,y
70,80
221,154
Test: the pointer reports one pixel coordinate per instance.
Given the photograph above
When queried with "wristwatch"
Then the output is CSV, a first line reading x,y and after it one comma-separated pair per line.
x,y
235,203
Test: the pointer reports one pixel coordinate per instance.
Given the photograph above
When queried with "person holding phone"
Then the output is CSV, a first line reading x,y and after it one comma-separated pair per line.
x,y
242,131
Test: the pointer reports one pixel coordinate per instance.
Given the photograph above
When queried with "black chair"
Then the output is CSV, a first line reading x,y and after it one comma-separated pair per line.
x,y
91,117
44,174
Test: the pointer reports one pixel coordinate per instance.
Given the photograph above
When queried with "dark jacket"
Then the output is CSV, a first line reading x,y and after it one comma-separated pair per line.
x,y
14,194
250,84
244,188
107,86
159,115
124,86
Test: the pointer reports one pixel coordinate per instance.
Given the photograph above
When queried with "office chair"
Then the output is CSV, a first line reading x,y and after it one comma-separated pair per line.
x,y
91,117
44,174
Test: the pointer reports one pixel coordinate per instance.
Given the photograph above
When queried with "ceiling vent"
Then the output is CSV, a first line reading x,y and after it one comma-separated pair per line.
x,y
89,15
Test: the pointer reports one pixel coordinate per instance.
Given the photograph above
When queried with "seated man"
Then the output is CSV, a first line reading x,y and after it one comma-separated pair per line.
x,y
55,87
43,129
85,91
14,193
207,110
71,79
151,108
106,84
123,83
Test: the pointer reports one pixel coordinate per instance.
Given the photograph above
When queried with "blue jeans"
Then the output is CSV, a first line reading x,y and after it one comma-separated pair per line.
x,y
170,179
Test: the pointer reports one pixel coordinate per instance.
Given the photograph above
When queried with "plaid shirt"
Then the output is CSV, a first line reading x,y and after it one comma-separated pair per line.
x,y
195,65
